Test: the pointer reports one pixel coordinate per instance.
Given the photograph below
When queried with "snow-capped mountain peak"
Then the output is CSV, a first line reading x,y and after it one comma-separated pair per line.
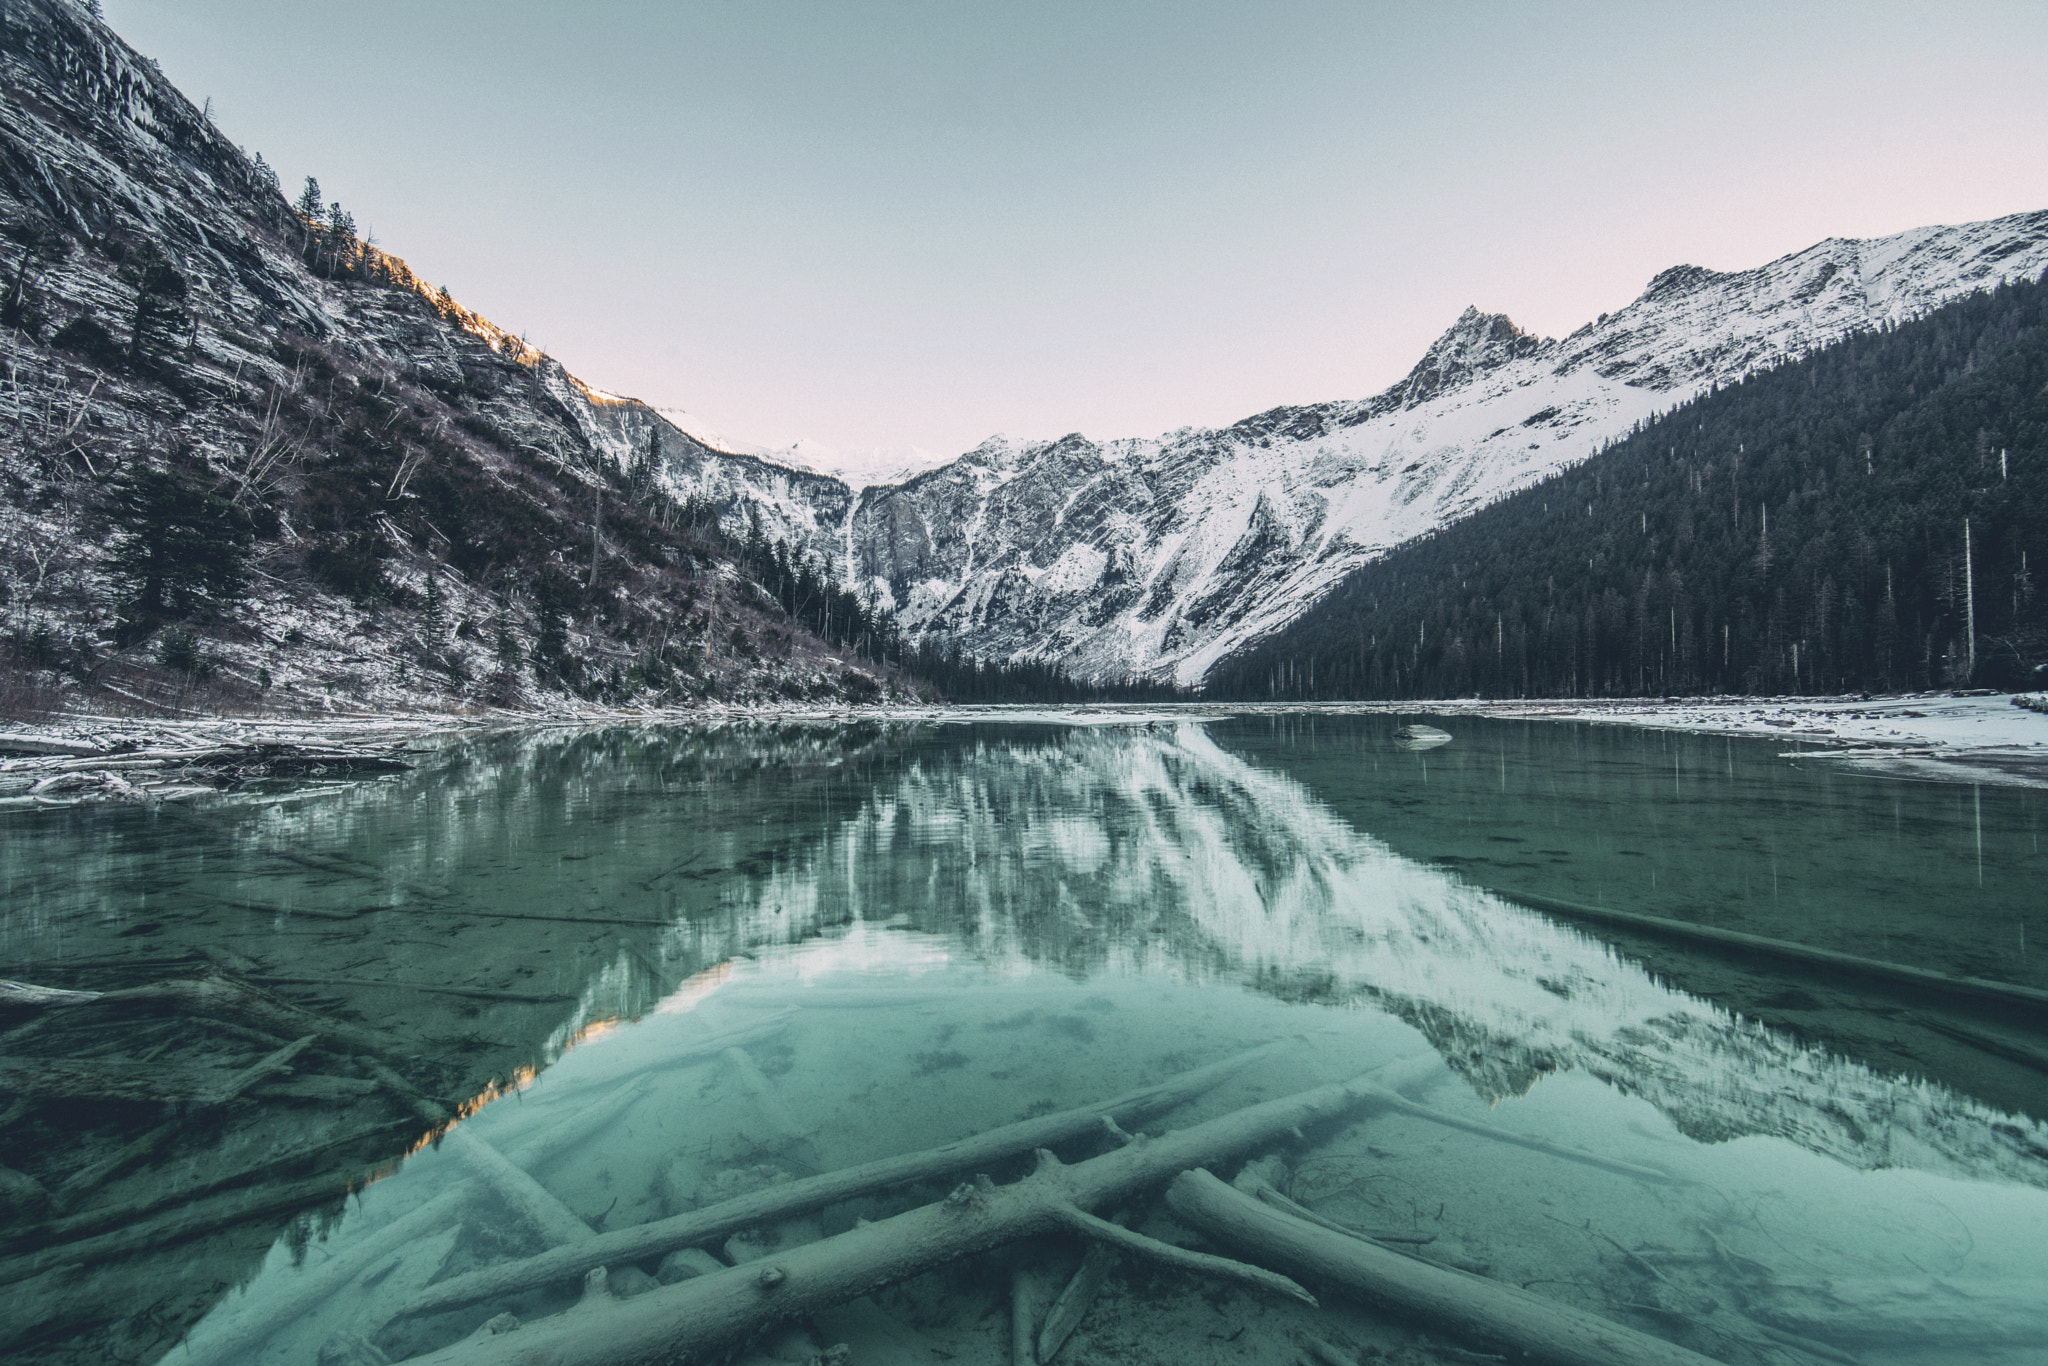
x,y
1475,343
1159,557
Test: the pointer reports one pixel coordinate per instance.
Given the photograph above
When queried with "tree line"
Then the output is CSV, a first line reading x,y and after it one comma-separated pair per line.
x,y
1867,518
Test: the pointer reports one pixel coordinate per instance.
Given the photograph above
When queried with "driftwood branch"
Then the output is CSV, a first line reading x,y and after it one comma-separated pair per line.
x,y
814,1193
1201,1263
697,1318
1488,1314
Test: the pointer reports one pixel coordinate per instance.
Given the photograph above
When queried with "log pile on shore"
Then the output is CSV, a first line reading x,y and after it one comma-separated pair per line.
x,y
130,762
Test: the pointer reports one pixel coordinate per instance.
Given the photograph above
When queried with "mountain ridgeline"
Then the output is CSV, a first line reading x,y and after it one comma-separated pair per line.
x,y
1871,517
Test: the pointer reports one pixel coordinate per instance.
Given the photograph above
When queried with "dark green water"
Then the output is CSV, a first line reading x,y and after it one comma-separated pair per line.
x,y
916,934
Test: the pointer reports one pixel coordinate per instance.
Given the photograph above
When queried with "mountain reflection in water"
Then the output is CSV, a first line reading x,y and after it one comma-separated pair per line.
x,y
975,923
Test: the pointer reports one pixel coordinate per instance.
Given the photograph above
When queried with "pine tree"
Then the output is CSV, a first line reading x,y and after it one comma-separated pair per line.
x,y
181,547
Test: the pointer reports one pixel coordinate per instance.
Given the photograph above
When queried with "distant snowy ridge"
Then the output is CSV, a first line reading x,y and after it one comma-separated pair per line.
x,y
1160,557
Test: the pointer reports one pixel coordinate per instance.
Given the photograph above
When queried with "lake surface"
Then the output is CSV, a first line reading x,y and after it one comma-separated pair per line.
x,y
654,970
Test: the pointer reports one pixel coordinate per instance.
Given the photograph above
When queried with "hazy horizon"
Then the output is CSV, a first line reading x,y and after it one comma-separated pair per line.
x,y
902,227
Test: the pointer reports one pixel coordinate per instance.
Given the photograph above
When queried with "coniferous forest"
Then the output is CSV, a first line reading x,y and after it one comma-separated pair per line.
x,y
1870,518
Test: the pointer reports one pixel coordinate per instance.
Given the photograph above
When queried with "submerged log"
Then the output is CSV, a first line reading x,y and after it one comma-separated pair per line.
x,y
694,1319
1022,1295
149,1084
227,998
1255,1185
1075,1299
814,1193
1973,988
109,1167
21,1193
1491,1315
533,1202
203,1216
438,989
28,996
256,1322
91,1079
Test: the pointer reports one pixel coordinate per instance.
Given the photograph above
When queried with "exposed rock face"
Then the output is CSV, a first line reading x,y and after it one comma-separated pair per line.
x,y
422,485
1160,557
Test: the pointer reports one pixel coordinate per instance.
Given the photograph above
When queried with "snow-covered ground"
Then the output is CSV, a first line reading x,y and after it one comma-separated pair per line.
x,y
1999,738
1996,738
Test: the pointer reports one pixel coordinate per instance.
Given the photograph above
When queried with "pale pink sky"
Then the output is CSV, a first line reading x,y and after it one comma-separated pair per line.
x,y
906,226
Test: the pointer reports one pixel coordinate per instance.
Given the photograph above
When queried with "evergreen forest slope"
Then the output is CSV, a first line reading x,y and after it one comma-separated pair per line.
x,y
1870,517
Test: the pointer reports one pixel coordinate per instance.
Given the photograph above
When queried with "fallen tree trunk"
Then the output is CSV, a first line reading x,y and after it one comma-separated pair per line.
x,y
107,1168
232,1000
1974,988
533,1202
475,993
147,1084
814,1193
1488,1314
699,1318
29,996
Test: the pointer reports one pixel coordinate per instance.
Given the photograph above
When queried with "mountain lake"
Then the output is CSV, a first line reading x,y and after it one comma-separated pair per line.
x,y
388,1068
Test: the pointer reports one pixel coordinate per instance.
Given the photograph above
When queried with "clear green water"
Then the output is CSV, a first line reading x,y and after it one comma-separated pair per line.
x,y
925,933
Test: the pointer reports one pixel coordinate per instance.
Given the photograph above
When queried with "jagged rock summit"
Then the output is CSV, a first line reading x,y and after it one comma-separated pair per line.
x,y
1160,557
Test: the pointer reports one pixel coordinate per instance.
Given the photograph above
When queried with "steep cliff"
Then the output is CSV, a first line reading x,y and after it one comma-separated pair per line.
x,y
252,460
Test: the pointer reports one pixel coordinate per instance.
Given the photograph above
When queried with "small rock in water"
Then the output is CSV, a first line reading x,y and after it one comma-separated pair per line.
x,y
629,1281
1421,737
745,1247
686,1262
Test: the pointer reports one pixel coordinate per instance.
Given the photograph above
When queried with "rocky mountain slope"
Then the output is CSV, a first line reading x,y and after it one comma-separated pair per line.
x,y
1161,557
251,459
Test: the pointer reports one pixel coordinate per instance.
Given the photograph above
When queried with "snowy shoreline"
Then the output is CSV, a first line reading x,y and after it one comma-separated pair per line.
x,y
1990,738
